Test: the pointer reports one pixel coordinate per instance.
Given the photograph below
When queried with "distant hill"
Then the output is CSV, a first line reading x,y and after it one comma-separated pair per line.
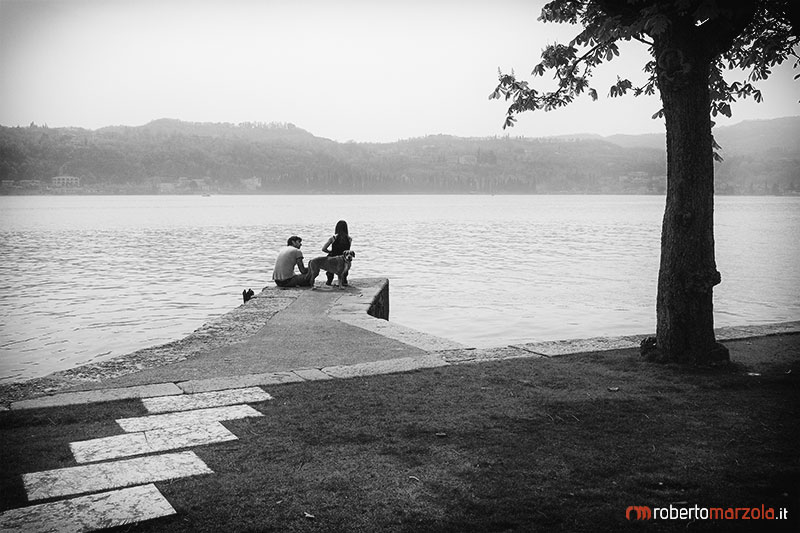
x,y
746,137
253,131
657,141
172,156
760,136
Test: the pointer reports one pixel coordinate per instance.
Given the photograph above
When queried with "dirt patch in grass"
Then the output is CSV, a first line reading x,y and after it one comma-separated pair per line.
x,y
561,444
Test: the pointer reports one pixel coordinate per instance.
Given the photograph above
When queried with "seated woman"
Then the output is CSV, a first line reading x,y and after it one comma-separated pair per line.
x,y
340,242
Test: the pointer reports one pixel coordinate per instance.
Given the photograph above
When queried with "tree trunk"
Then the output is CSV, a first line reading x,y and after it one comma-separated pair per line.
x,y
688,272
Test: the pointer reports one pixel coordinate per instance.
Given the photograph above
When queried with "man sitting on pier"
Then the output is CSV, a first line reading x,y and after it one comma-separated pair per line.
x,y
289,256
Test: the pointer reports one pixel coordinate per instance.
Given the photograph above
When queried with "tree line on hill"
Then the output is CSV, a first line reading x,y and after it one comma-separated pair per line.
x,y
170,156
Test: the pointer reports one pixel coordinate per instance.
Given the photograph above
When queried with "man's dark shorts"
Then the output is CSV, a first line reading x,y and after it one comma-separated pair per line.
x,y
298,280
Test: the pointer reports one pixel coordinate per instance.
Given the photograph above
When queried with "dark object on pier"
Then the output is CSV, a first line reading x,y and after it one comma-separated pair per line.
x,y
247,294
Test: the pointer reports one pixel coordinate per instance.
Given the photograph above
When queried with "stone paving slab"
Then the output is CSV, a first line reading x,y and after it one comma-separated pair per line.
x,y
187,402
103,476
100,395
235,382
486,354
392,330
147,442
198,417
773,329
312,374
89,513
388,366
743,332
595,344
730,333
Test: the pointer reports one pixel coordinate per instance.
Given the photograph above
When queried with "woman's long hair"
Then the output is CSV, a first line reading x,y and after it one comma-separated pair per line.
x,y
342,241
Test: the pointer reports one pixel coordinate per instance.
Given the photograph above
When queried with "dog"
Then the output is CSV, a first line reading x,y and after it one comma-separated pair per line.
x,y
338,264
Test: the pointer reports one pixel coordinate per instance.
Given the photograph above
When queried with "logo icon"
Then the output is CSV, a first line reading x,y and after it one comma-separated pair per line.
x,y
639,512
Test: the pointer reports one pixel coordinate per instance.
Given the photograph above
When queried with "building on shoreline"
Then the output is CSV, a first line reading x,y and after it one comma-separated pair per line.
x,y
65,182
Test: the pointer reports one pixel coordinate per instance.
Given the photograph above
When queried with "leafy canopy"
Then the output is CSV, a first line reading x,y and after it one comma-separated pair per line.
x,y
753,36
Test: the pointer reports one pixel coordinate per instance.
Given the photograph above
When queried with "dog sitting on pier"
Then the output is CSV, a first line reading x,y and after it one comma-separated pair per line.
x,y
338,264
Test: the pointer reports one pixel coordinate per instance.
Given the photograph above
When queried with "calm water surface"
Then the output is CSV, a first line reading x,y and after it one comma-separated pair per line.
x,y
89,278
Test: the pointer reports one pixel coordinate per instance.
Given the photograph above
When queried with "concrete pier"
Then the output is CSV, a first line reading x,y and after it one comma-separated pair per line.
x,y
280,335
285,335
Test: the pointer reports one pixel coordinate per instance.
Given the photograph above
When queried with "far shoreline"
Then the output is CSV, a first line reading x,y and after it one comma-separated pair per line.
x,y
787,194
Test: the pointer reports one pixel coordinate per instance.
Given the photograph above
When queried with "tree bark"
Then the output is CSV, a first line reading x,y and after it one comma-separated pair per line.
x,y
687,272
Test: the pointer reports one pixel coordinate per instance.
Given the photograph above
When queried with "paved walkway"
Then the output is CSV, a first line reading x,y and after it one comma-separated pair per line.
x,y
290,335
190,385
277,332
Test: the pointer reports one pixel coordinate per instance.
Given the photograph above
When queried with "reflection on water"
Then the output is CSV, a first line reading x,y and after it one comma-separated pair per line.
x,y
88,278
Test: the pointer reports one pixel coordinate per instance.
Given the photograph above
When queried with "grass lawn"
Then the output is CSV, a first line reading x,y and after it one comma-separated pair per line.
x,y
561,444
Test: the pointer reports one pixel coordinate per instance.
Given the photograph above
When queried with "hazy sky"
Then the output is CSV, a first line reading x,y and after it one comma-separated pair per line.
x,y
362,70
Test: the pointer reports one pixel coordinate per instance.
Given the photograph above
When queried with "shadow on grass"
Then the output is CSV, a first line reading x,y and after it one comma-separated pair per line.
x,y
563,444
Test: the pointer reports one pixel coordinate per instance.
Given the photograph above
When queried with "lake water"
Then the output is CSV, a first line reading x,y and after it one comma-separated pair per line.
x,y
88,278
